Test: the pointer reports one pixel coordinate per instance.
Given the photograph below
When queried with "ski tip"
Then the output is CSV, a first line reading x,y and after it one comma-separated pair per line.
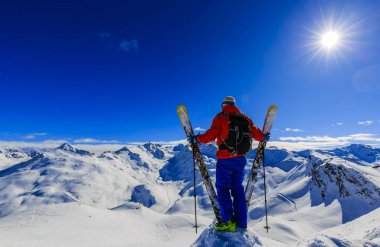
x,y
181,108
182,114
272,108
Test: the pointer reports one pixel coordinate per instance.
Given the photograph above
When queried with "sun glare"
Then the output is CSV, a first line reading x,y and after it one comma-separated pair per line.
x,y
330,39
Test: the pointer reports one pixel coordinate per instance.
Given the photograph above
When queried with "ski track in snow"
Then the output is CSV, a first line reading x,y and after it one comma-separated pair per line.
x,y
287,200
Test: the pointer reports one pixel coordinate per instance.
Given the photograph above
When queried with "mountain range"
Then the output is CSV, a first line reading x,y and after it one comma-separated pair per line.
x,y
143,195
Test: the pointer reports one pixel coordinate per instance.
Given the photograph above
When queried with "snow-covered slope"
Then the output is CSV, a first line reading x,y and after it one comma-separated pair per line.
x,y
9,157
67,174
309,192
73,224
364,231
319,193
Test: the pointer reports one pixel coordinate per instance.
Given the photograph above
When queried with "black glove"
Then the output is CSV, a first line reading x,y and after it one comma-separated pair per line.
x,y
267,137
192,139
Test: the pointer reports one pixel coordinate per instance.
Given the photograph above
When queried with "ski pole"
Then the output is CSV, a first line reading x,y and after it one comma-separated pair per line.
x,y
265,195
195,202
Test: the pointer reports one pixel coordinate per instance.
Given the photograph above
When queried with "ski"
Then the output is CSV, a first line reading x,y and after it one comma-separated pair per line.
x,y
197,156
269,119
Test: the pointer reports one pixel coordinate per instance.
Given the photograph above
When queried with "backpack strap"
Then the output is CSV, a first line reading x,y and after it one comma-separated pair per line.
x,y
223,145
223,113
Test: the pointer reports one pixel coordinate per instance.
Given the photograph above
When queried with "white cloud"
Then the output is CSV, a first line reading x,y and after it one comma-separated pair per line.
x,y
115,43
354,137
33,135
290,143
92,147
199,129
51,144
366,123
36,144
337,124
129,46
325,142
293,130
305,145
92,140
104,35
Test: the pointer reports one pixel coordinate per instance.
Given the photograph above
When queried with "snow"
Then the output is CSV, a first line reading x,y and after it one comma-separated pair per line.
x,y
212,238
9,157
142,195
73,224
358,152
106,180
364,231
67,147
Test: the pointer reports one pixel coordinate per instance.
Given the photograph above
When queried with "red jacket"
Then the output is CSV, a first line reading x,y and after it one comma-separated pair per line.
x,y
219,131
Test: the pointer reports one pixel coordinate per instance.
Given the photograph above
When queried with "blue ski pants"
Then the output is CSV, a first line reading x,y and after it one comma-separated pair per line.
x,y
229,179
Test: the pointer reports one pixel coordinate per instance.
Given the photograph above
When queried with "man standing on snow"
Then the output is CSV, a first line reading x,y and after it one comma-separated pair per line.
x,y
233,132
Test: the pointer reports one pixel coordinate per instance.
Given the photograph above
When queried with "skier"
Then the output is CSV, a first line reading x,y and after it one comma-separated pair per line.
x,y
233,132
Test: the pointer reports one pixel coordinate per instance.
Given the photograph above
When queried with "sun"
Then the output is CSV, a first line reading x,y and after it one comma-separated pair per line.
x,y
330,39
331,36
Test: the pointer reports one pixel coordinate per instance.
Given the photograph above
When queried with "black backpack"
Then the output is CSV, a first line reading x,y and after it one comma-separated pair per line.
x,y
239,139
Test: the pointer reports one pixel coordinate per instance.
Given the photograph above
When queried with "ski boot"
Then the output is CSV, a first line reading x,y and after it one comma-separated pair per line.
x,y
225,227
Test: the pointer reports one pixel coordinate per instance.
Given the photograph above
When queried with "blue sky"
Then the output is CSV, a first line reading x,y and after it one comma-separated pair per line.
x,y
115,70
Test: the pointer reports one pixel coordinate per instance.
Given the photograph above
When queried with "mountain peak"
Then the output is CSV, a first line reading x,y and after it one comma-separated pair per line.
x,y
360,151
67,147
155,150
359,146
151,145
123,150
